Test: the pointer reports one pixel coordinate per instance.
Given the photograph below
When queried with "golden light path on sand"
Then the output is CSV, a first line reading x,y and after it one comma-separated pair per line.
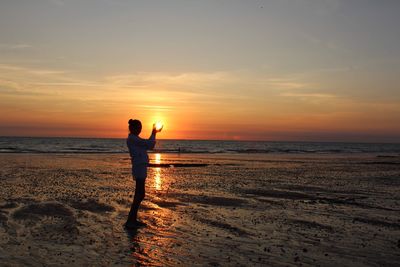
x,y
157,175
153,245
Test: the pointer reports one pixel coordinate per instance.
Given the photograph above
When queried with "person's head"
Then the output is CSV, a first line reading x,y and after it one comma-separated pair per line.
x,y
135,126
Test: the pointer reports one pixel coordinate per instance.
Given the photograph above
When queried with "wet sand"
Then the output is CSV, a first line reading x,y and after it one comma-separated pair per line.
x,y
233,210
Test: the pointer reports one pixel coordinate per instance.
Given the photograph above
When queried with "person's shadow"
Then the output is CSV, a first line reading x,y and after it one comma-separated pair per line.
x,y
132,234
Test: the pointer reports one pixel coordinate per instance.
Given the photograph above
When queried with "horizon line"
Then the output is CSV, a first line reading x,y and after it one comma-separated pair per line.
x,y
188,139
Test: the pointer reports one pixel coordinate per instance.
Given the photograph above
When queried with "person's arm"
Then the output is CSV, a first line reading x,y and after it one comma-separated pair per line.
x,y
147,143
152,140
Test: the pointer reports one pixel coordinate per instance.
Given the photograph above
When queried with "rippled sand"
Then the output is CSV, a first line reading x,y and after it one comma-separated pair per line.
x,y
239,210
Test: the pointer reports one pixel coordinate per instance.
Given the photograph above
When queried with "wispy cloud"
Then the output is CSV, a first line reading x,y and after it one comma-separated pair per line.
x,y
156,107
160,91
22,77
19,46
282,83
69,84
193,79
15,92
306,95
33,71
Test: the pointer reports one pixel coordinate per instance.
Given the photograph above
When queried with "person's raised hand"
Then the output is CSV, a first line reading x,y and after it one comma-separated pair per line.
x,y
157,128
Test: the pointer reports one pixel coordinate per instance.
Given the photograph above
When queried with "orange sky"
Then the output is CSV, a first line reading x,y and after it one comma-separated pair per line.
x,y
288,71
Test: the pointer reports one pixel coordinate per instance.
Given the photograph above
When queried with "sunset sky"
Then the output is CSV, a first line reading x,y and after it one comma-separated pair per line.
x,y
323,70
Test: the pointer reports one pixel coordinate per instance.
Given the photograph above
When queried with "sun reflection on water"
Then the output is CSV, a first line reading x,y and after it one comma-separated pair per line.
x,y
157,158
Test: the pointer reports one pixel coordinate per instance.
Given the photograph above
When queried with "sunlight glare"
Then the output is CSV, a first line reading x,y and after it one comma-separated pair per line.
x,y
159,125
157,158
157,179
157,175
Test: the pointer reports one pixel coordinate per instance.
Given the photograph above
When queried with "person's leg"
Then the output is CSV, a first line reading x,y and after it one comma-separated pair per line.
x,y
137,199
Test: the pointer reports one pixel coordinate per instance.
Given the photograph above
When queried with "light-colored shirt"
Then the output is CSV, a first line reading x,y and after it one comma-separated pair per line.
x,y
138,148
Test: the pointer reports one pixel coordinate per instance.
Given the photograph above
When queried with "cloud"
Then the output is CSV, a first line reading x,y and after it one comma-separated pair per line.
x,y
186,84
32,71
76,84
155,107
179,87
192,79
10,91
313,95
14,46
42,79
281,83
161,91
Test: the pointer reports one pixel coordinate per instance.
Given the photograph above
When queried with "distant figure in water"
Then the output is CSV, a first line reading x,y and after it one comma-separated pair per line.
x,y
138,150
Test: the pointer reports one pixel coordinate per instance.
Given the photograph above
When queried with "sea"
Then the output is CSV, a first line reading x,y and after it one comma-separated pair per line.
x,y
115,145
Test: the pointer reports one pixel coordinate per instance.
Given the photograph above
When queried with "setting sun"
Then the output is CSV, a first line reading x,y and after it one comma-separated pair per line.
x,y
158,125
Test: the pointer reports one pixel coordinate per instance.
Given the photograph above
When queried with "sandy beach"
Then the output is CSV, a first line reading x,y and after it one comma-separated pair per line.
x,y
238,210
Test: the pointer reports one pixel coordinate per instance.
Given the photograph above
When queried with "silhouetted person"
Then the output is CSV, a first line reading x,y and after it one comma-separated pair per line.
x,y
138,150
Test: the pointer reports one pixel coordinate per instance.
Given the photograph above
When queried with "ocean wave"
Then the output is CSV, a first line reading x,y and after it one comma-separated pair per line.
x,y
118,146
